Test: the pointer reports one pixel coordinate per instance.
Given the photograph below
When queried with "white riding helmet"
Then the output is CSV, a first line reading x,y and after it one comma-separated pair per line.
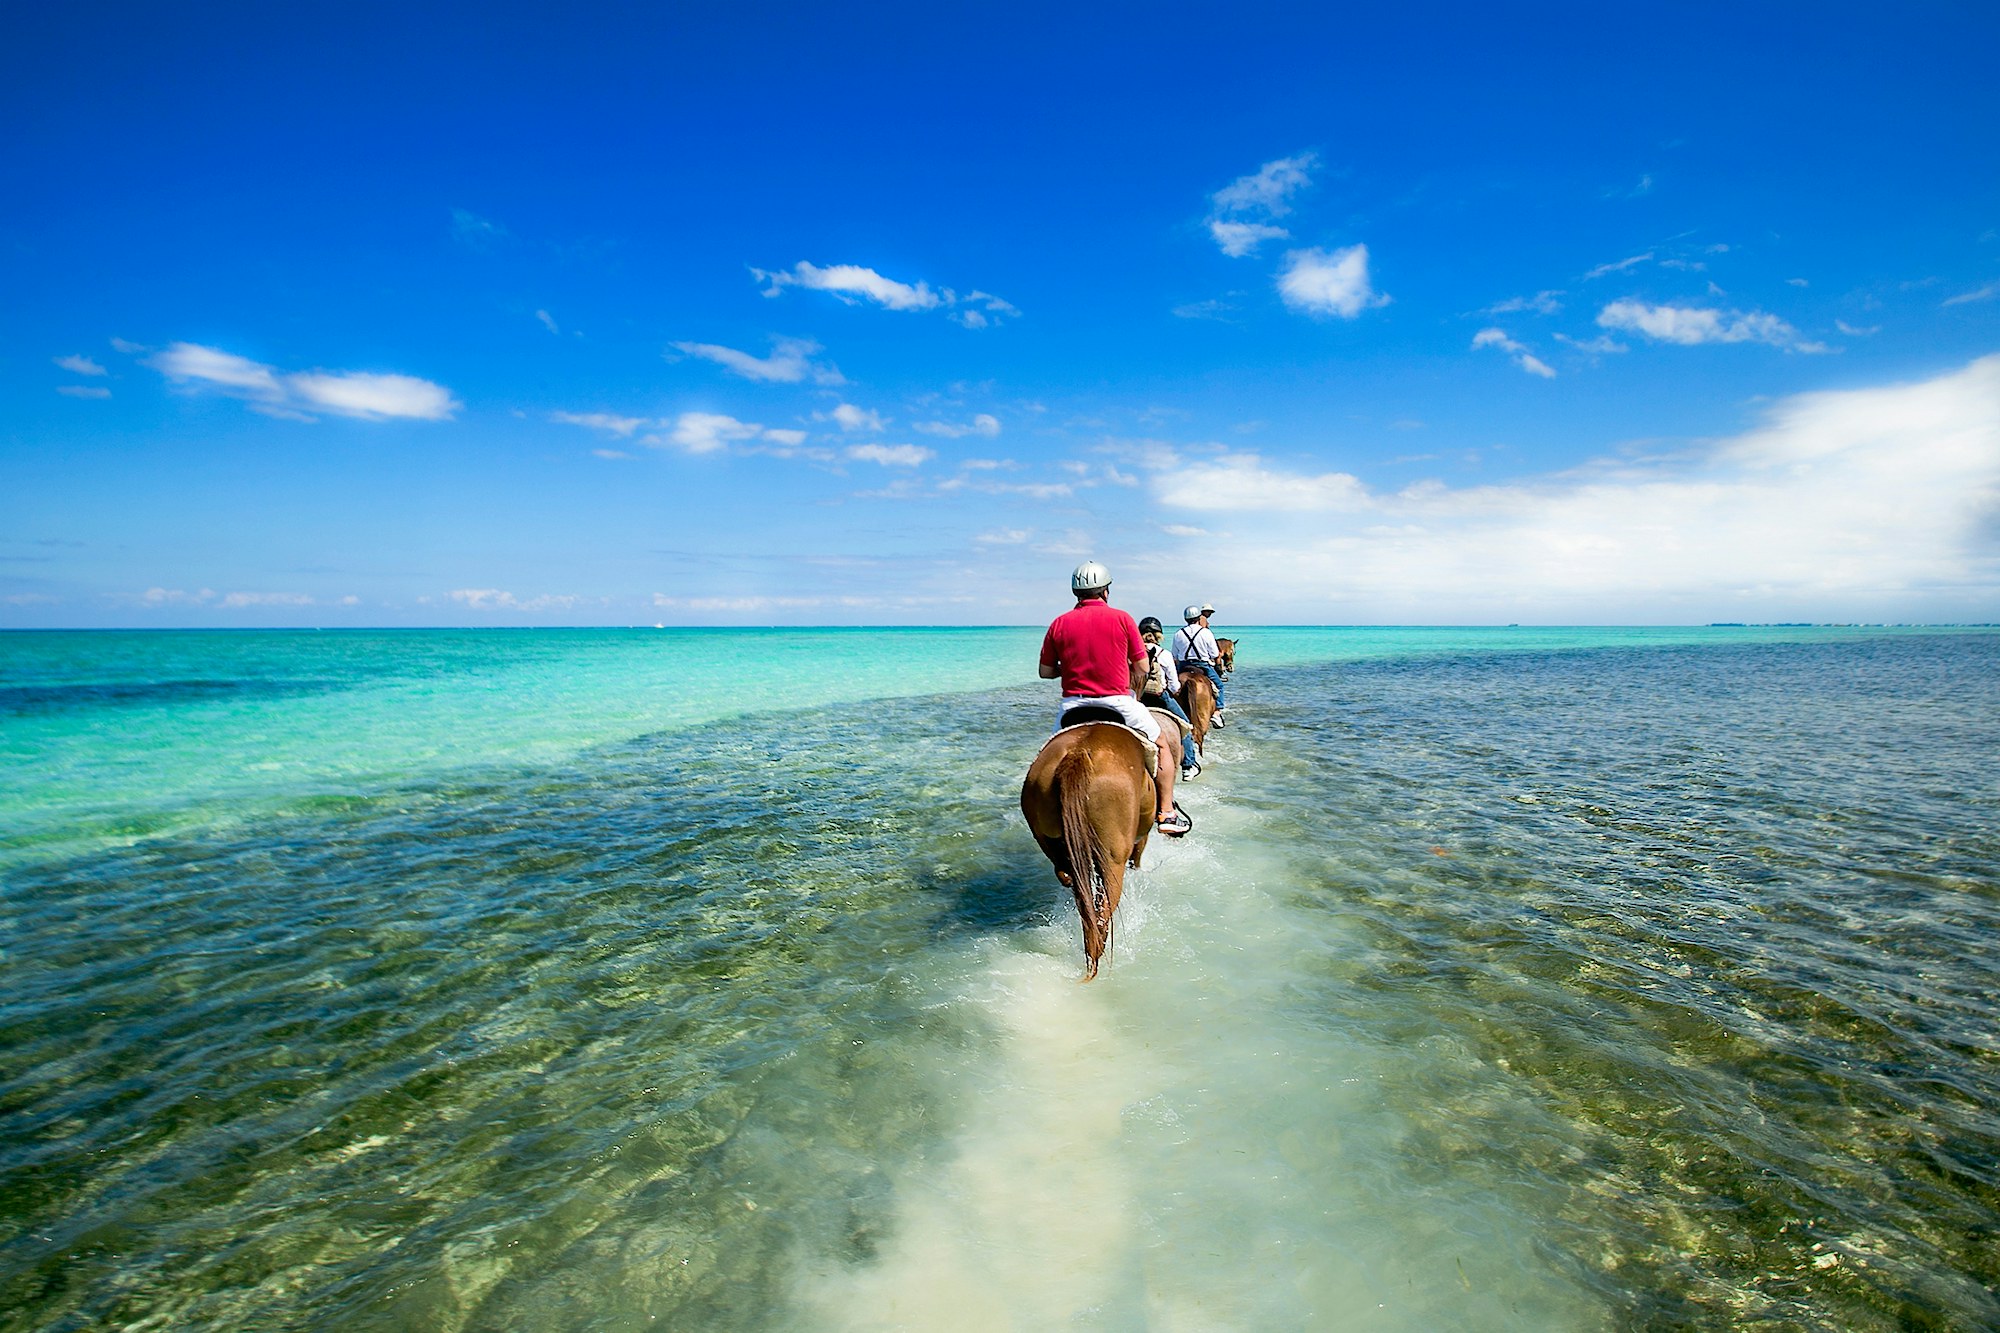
x,y
1089,577
1191,614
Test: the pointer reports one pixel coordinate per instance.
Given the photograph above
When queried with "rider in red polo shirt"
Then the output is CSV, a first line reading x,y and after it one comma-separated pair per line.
x,y
1095,650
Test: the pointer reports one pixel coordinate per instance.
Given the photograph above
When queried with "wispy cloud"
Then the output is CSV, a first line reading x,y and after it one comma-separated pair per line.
x,y
790,361
497,599
241,599
548,322
604,421
851,418
372,397
1541,303
755,603
708,432
363,395
1602,345
83,391
475,232
1689,326
235,601
1320,282
1839,505
1243,481
983,424
1617,266
852,282
1238,239
1523,358
892,455
1216,308
1986,293
1242,213
80,365
981,310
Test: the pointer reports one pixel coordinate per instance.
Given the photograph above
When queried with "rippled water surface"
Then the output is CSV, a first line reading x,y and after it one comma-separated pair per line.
x,y
1592,979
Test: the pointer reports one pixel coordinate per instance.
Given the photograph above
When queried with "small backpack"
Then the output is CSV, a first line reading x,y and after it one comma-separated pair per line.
x,y
1156,675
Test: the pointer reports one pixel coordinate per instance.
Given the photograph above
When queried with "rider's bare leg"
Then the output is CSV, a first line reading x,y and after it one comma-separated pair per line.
x,y
1169,746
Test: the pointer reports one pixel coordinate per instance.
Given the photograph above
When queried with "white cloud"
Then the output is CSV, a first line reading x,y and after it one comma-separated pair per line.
x,y
177,597
478,233
789,363
1542,303
1242,481
755,602
496,599
1004,537
242,599
1238,239
709,432
1855,331
1241,213
850,417
850,281
1602,345
604,421
1321,283
992,311
83,391
372,397
892,455
1523,358
1691,325
1182,530
790,439
193,363
1215,308
983,424
361,394
548,321
1986,293
1268,192
80,365
1618,266
609,453
1856,504
128,348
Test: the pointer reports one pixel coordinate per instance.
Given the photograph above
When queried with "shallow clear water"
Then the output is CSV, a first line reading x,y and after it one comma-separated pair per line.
x,y
1572,979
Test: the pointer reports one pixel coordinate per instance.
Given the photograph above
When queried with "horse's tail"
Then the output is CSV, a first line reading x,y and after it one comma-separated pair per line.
x,y
1086,853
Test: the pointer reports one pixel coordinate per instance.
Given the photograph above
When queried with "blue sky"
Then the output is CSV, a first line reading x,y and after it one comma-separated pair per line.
x,y
342,315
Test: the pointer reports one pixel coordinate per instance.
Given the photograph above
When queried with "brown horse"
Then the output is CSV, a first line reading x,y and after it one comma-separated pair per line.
x,y
1225,655
1089,801
1197,696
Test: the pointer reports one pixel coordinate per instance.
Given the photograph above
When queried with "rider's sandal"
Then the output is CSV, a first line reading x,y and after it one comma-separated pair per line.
x,y
1174,823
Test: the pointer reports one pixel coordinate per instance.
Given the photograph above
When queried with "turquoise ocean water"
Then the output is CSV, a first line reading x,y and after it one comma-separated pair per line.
x,y
1567,979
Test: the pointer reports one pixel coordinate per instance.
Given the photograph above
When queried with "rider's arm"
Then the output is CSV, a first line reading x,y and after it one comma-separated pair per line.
x,y
1050,671
1051,664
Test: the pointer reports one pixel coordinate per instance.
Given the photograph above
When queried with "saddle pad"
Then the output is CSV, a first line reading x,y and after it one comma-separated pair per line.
x,y
1074,718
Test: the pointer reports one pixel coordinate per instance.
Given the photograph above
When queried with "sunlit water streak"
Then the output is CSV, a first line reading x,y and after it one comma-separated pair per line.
x,y
1583,984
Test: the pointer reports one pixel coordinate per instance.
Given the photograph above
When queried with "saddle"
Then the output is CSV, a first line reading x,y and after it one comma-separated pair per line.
x,y
1089,714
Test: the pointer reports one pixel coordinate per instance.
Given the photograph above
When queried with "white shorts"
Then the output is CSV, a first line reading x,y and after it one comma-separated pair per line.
x,y
1130,709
